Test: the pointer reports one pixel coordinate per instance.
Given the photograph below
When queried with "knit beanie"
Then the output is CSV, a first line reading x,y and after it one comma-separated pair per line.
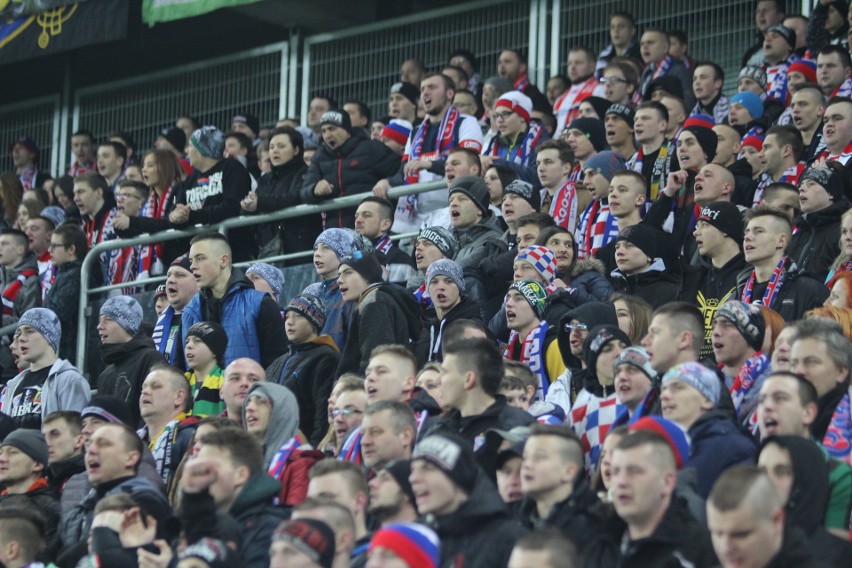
x,y
249,120
160,292
623,112
600,104
31,442
473,187
213,335
452,456
597,339
415,544
754,73
175,136
704,120
592,314
753,139
184,262
338,118
593,129
534,293
788,34
311,536
338,240
698,377
751,102
707,139
673,434
125,311
310,308
637,357
108,407
516,102
398,130
669,84
53,214
360,242
446,267
209,141
541,258
407,90
400,470
830,181
606,163
214,552
641,236
45,322
804,66
526,191
365,264
271,274
726,217
441,238
748,320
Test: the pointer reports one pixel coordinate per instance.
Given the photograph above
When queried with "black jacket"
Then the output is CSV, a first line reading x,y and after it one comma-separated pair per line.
x,y
354,167
678,537
581,517
64,299
308,370
127,366
386,313
279,189
253,510
708,288
717,443
58,473
799,292
480,533
45,502
817,242
656,286
428,346
744,184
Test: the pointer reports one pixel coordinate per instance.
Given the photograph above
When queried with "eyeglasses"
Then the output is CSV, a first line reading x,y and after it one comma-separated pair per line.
x,y
503,115
606,80
53,246
345,412
126,196
572,327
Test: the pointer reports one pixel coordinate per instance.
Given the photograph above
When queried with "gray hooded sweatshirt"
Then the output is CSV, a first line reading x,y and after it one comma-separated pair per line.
x,y
283,418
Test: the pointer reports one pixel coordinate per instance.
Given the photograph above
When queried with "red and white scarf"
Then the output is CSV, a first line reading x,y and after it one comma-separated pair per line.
x,y
842,158
567,106
150,257
12,290
773,287
563,206
597,228
28,177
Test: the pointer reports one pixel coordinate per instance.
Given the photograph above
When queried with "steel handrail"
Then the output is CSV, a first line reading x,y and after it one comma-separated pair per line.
x,y
242,221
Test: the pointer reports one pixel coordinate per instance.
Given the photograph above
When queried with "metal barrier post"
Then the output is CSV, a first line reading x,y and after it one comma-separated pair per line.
x,y
173,234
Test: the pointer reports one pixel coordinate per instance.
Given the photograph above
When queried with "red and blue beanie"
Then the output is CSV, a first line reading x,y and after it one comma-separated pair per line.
x,y
542,259
416,545
704,120
397,130
806,67
671,432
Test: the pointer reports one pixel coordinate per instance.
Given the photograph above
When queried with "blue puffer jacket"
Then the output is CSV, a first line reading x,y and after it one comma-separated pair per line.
x,y
717,443
240,309
338,312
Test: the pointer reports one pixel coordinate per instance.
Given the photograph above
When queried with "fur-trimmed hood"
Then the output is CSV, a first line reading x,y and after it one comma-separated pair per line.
x,y
586,265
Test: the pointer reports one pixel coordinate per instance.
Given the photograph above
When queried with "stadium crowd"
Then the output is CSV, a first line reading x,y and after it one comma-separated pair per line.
x,y
620,338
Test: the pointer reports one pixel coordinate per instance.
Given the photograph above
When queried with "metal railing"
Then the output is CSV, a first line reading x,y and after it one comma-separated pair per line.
x,y
92,258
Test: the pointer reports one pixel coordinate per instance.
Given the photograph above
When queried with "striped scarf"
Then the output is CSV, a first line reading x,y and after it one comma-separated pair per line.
x,y
843,157
597,228
28,177
662,165
383,244
776,83
517,153
150,256
444,141
563,206
838,438
772,287
351,449
663,67
422,297
754,367
522,83
844,89
533,354
12,290
279,462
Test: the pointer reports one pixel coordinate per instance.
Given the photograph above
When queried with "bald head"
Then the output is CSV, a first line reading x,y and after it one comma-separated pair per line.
x,y
240,375
713,183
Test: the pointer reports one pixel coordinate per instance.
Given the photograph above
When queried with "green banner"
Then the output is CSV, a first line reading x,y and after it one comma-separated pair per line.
x,y
155,11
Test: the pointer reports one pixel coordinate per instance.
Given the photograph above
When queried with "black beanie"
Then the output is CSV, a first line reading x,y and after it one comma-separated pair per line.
x,y
400,470
213,335
597,339
706,139
365,264
337,117
640,236
452,456
600,104
828,179
726,217
473,187
593,129
590,314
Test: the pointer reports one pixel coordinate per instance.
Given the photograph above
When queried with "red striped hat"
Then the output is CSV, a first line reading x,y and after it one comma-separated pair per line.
x,y
516,102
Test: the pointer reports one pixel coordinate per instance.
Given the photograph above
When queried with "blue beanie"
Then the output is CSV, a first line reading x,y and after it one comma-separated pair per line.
x,y
272,275
125,311
607,163
338,240
751,102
